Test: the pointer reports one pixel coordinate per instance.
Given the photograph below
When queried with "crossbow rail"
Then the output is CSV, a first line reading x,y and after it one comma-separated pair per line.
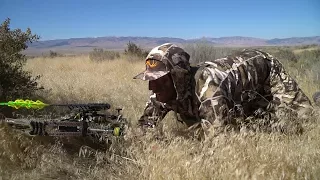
x,y
85,120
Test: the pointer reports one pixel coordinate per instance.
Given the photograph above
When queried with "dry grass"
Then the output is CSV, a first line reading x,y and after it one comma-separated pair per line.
x,y
297,51
243,155
77,79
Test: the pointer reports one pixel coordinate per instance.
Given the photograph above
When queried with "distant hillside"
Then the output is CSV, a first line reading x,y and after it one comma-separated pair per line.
x,y
77,45
295,41
235,41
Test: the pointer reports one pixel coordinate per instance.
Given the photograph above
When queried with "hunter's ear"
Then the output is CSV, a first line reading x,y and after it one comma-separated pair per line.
x,y
186,55
180,58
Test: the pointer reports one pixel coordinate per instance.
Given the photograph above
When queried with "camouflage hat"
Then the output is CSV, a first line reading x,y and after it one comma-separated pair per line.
x,y
161,60
154,70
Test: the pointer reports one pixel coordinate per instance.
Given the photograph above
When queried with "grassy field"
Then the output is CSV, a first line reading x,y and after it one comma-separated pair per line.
x,y
242,155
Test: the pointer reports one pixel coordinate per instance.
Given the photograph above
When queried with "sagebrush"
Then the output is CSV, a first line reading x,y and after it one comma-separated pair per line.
x,y
15,82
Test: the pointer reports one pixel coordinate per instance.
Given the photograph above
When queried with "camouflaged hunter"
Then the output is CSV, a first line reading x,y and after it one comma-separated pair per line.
x,y
247,83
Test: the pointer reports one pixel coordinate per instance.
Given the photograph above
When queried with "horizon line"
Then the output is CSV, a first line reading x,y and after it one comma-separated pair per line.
x,y
204,37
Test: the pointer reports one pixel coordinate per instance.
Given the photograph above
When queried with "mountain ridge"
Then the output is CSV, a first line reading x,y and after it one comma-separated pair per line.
x,y
120,42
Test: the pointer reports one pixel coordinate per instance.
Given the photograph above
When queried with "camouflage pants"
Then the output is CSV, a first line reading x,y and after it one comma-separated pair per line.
x,y
287,96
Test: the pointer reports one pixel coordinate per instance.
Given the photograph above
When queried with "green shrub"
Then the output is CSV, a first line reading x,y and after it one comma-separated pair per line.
x,y
309,61
53,54
14,81
285,55
309,58
134,50
101,55
201,52
309,46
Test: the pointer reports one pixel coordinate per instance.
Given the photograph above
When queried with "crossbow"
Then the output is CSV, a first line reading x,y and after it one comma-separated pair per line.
x,y
84,120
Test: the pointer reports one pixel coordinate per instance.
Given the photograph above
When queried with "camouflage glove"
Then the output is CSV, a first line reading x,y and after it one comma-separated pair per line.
x,y
142,123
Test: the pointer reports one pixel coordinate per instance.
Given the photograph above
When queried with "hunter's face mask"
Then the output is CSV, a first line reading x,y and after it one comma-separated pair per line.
x,y
168,59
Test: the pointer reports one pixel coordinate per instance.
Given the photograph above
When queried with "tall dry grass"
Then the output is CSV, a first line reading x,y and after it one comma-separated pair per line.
x,y
231,155
80,80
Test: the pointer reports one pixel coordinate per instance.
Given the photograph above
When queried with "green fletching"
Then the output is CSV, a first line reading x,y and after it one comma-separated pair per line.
x,y
29,104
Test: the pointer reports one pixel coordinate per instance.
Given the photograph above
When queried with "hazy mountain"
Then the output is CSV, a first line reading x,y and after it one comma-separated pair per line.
x,y
295,41
76,45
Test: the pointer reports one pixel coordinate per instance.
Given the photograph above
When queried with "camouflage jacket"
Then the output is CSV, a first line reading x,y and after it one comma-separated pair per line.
x,y
240,85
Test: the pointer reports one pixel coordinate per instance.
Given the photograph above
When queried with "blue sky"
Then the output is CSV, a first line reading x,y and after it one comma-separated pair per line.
x,y
57,19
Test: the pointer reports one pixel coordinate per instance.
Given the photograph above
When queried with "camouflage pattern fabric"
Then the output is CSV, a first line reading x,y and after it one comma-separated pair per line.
x,y
249,83
245,84
162,59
